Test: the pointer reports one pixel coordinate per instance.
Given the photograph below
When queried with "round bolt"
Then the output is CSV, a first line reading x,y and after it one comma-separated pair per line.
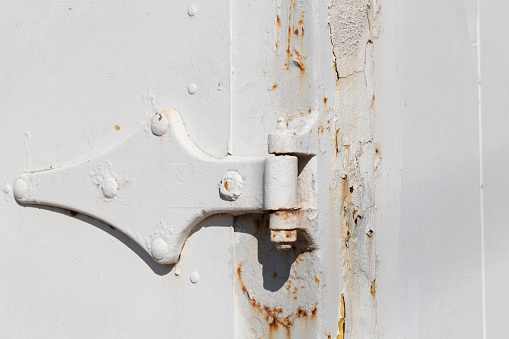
x,y
281,124
20,189
194,277
231,185
192,10
109,187
192,88
159,248
159,124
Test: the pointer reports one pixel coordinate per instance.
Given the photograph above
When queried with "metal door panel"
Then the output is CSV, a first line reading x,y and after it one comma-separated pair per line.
x,y
78,79
495,186
429,279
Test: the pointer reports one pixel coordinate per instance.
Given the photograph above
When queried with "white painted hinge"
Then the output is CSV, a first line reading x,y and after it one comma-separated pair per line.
x,y
157,186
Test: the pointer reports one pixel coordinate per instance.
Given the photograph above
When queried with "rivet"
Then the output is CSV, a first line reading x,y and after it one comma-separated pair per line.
x,y
192,10
159,124
231,185
109,187
194,277
192,88
159,248
7,188
20,189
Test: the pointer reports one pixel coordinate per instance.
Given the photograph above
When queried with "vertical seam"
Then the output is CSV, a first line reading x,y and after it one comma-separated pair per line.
x,y
483,275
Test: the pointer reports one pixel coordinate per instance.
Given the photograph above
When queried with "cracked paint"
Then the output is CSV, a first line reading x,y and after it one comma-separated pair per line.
x,y
354,26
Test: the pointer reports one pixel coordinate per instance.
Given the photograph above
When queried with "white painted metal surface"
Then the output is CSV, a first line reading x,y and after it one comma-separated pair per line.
x,y
390,110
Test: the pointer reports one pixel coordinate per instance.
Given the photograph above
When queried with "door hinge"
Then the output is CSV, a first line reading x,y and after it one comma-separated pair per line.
x,y
158,185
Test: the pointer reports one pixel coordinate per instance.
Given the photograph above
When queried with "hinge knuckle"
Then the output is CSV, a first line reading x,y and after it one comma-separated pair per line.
x,y
280,183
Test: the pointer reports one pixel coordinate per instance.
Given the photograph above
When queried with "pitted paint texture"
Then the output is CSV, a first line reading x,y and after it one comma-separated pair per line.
x,y
354,26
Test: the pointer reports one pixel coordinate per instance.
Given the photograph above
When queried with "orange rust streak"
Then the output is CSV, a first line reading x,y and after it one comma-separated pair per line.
x,y
273,315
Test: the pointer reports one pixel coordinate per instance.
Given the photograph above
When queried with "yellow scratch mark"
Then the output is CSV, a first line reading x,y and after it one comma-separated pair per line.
x,y
341,322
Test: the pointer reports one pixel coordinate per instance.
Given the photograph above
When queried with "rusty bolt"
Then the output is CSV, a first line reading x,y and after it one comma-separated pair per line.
x,y
283,238
231,185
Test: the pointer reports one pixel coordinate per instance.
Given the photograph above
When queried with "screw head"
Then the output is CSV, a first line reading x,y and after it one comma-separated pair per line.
x,y
231,185
159,124
159,248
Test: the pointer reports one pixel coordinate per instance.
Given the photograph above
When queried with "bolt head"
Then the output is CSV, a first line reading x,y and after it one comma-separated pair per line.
x,y
159,124
231,185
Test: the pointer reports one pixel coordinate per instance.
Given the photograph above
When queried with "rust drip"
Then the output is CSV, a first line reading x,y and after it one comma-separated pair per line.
x,y
274,315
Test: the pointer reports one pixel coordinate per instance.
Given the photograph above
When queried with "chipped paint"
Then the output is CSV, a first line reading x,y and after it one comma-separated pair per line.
x,y
354,27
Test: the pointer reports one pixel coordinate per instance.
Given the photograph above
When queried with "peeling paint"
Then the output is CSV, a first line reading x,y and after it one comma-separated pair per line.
x,y
354,26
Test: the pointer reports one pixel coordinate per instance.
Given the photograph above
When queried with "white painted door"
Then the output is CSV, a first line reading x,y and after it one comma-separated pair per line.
x,y
393,112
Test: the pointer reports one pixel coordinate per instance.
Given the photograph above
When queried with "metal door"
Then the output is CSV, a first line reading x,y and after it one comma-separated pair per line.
x,y
397,231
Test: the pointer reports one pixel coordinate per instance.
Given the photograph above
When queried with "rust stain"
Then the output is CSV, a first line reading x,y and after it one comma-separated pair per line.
x,y
348,236
372,100
317,281
296,32
117,127
274,86
324,100
278,22
287,215
226,185
239,274
336,142
346,192
327,334
274,315
372,290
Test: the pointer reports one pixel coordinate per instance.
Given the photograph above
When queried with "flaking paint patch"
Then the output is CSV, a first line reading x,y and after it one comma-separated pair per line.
x,y
354,26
